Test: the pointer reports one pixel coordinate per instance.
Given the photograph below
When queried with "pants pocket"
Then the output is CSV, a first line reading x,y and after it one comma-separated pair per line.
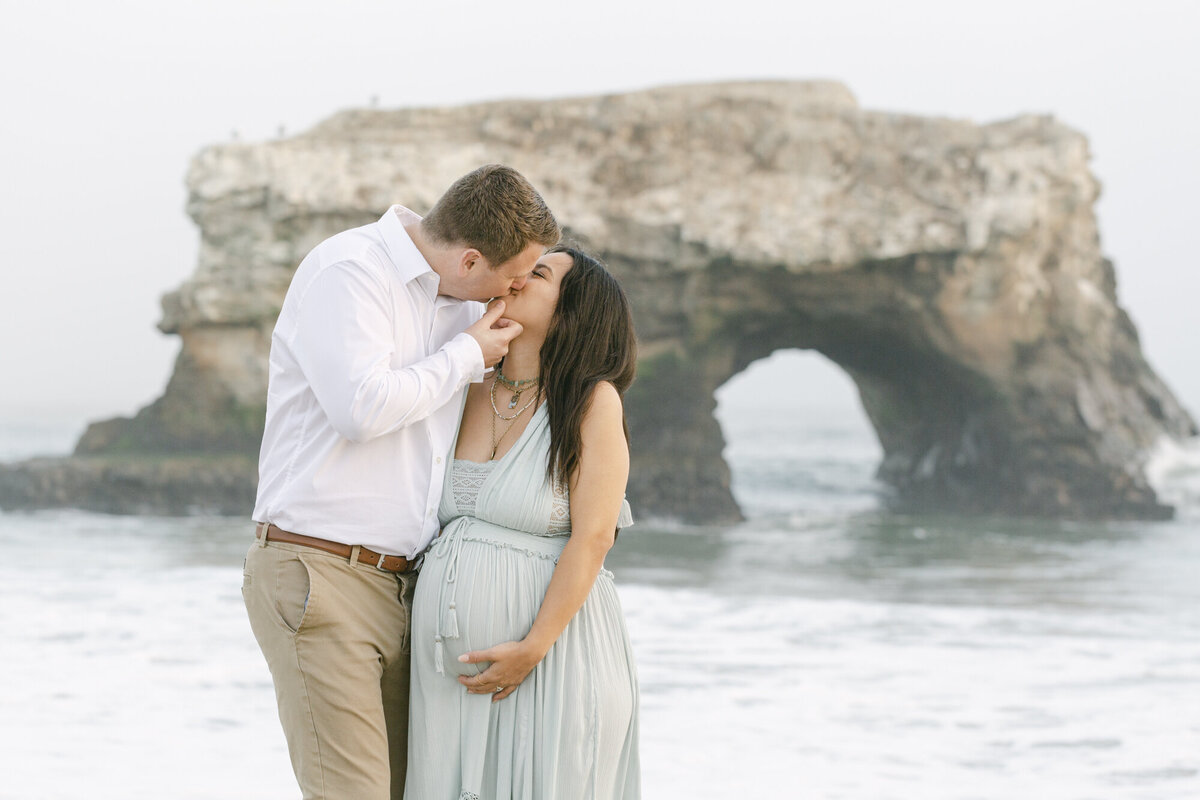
x,y
293,592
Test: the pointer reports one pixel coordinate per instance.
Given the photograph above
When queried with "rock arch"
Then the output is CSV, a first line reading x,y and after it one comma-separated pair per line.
x,y
952,269
954,437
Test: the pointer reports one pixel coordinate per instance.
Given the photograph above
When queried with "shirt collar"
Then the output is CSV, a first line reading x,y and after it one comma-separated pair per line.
x,y
404,254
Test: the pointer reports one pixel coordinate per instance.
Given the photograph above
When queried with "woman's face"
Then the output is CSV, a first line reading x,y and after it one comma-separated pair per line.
x,y
533,304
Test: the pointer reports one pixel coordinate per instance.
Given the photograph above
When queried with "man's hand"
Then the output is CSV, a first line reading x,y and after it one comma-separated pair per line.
x,y
494,333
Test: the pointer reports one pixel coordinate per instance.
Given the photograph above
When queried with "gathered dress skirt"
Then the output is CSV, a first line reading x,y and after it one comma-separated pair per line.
x,y
569,730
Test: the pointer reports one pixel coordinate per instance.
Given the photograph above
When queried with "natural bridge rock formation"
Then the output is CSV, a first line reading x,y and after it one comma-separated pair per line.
x,y
954,270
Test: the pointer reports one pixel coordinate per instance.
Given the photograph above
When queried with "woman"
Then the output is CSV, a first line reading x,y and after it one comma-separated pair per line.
x,y
523,680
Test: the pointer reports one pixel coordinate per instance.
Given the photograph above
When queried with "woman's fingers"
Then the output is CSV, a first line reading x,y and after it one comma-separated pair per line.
x,y
489,688
484,682
475,656
487,682
502,675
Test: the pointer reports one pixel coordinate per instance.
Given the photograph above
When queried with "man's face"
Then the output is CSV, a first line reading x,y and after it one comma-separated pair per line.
x,y
483,282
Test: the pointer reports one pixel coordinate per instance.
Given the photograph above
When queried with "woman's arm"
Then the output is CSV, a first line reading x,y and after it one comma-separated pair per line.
x,y
597,488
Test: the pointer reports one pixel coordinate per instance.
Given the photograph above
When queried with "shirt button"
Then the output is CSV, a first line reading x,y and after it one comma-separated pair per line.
x,y
439,459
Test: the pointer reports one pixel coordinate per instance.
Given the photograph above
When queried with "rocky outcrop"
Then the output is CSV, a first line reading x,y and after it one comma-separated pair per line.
x,y
954,270
145,484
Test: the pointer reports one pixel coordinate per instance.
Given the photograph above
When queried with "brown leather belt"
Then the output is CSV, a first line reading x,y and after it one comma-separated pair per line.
x,y
274,533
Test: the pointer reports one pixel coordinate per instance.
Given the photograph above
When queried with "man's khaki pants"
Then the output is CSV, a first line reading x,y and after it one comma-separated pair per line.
x,y
336,637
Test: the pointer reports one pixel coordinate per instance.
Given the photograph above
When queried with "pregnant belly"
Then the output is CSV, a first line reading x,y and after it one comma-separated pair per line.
x,y
478,593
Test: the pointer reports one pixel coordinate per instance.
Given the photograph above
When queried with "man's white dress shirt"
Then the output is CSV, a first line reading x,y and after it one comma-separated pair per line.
x,y
367,373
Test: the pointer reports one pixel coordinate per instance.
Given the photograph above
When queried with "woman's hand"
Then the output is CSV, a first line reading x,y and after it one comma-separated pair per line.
x,y
511,663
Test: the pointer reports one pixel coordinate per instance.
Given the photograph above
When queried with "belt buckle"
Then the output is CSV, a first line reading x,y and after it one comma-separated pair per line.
x,y
379,566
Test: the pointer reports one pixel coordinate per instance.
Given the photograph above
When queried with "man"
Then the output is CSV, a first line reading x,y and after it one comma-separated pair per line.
x,y
370,358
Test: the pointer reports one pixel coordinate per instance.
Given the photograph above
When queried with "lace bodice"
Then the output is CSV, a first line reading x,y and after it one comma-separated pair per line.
x,y
467,478
513,491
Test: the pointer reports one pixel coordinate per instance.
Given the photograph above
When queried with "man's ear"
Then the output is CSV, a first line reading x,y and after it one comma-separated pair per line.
x,y
468,260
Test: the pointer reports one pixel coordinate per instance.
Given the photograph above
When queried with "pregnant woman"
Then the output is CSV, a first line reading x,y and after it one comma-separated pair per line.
x,y
523,681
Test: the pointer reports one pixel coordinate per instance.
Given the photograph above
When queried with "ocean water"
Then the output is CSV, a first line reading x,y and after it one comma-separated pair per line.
x,y
822,649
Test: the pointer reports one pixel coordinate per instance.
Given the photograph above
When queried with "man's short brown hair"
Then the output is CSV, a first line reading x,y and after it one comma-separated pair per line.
x,y
496,211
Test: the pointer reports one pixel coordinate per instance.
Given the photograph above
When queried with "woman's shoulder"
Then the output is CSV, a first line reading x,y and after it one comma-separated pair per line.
x,y
604,408
605,398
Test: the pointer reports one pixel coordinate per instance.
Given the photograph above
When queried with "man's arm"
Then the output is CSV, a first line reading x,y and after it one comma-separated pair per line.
x,y
344,342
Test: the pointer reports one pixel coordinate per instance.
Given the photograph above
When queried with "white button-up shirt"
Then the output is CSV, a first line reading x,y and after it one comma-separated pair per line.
x,y
367,372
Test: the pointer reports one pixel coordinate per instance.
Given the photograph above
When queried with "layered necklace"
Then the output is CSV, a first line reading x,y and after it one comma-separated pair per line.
x,y
517,388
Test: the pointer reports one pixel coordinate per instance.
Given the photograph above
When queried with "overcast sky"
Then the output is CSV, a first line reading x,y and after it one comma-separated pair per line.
x,y
104,104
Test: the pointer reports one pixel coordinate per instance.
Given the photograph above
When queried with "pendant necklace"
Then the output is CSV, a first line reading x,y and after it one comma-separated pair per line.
x,y
516,386
510,420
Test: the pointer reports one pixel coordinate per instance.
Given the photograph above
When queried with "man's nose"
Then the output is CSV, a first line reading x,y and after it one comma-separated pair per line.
x,y
519,283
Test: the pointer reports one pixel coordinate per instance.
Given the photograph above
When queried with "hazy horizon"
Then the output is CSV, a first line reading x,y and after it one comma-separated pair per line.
x,y
108,104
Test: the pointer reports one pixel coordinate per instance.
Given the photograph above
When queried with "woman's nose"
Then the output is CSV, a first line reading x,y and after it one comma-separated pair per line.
x,y
519,283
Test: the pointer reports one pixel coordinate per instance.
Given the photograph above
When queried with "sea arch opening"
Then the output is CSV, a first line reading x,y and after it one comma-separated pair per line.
x,y
942,432
797,440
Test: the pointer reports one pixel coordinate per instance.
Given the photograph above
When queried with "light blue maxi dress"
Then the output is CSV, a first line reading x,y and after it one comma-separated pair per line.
x,y
570,730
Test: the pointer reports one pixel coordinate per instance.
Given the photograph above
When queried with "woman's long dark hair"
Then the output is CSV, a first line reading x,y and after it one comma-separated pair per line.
x,y
591,339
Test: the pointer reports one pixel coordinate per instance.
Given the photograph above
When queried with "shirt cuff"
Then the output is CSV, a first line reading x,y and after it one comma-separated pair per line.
x,y
467,354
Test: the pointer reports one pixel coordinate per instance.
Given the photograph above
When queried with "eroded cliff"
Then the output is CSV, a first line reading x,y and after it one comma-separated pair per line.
x,y
954,270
